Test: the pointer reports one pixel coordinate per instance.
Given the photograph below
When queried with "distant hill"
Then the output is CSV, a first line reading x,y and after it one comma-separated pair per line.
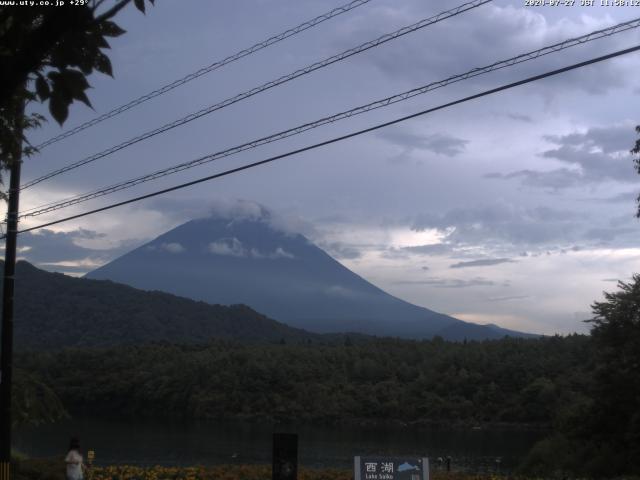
x,y
246,260
55,310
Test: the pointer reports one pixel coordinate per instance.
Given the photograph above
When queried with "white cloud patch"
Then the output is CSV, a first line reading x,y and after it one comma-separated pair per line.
x,y
239,209
340,291
279,252
234,248
83,264
229,247
172,247
282,253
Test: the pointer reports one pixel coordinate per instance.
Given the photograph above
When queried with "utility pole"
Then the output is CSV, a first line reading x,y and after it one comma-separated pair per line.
x,y
6,340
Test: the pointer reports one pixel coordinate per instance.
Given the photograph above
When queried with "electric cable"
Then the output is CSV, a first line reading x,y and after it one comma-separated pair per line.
x,y
338,139
51,206
210,68
266,86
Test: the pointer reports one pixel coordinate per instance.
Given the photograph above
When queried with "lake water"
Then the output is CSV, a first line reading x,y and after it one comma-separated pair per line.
x,y
209,443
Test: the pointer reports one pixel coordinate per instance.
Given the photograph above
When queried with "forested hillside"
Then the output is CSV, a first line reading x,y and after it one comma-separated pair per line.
x,y
507,381
55,311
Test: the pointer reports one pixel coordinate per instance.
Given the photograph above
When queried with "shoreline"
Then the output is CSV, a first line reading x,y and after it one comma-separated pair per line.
x,y
286,422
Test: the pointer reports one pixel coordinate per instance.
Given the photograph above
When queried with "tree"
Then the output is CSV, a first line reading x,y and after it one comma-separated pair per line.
x,y
46,54
636,162
35,402
597,430
616,393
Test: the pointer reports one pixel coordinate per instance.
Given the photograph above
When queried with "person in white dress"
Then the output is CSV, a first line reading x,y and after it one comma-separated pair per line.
x,y
75,467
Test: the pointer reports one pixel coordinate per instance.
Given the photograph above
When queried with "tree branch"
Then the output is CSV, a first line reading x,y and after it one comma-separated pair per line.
x,y
112,11
96,4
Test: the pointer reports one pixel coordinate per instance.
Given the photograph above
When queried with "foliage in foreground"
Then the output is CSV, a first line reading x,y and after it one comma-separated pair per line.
x,y
53,469
599,435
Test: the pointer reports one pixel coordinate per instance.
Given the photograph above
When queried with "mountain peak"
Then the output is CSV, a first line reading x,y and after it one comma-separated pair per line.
x,y
241,255
240,210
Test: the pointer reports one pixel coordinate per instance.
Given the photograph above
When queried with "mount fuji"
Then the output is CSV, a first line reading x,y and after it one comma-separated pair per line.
x,y
244,259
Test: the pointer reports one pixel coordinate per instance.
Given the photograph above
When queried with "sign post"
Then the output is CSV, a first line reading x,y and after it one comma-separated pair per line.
x,y
91,455
390,468
285,456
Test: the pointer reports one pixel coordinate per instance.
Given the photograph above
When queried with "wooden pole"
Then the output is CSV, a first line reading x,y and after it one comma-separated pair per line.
x,y
6,339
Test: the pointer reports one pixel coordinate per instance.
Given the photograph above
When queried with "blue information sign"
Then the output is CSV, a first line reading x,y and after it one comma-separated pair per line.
x,y
390,468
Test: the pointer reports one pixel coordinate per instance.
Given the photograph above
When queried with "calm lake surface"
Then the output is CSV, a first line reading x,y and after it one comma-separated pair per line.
x,y
209,443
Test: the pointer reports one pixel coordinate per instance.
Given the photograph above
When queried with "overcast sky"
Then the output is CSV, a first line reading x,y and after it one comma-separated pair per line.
x,y
515,209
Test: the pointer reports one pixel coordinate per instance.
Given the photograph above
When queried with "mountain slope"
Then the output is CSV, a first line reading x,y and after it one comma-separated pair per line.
x,y
246,260
55,311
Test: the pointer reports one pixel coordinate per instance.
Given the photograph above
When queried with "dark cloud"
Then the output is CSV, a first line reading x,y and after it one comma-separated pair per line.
x,y
624,229
394,254
441,144
520,118
614,139
623,220
431,249
553,179
600,154
50,246
61,251
434,249
596,166
609,234
502,223
508,299
510,31
626,197
450,282
482,263
495,233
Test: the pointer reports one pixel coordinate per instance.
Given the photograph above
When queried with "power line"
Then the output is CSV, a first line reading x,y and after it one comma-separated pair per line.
x,y
42,209
341,138
266,86
35,211
210,68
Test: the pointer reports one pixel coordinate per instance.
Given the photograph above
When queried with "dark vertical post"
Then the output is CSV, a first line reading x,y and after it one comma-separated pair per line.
x,y
285,456
426,470
6,340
